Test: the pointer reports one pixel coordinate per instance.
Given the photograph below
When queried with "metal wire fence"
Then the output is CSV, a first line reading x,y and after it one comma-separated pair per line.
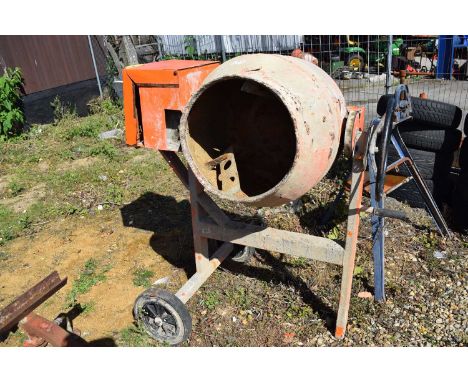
x,y
364,66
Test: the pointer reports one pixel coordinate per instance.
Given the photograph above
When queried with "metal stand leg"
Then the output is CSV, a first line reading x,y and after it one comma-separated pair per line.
x,y
357,183
210,222
378,223
200,243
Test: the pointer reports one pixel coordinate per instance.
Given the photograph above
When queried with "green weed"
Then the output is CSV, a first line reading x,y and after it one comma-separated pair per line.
x,y
25,222
11,110
88,307
104,106
62,111
298,262
239,297
15,188
87,129
429,240
87,279
105,149
334,234
133,336
114,194
299,311
211,299
142,277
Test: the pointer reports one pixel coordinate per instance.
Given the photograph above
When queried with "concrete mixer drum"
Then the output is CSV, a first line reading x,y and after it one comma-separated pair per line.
x,y
263,129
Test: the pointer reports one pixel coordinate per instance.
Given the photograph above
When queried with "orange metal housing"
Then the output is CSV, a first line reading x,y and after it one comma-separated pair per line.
x,y
157,91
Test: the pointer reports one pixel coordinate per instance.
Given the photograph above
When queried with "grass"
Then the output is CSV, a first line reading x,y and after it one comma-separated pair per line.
x,y
87,129
15,188
239,297
88,307
134,336
105,149
299,311
88,277
67,159
211,299
142,277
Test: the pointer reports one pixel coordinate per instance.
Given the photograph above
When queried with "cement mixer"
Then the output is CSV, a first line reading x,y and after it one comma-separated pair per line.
x,y
258,129
263,129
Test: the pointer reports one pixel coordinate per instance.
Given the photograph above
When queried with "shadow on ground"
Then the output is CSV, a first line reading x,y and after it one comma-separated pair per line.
x,y
170,221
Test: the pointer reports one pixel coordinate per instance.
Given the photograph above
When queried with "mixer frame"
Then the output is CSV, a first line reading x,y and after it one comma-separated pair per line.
x,y
210,222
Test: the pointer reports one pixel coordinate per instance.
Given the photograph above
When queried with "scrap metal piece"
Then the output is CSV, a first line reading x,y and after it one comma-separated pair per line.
x,y
39,327
30,300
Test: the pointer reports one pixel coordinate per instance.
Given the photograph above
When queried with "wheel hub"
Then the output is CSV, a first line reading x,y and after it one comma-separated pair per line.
x,y
158,317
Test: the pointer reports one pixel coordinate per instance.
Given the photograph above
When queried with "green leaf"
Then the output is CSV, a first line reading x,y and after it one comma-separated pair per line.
x,y
358,270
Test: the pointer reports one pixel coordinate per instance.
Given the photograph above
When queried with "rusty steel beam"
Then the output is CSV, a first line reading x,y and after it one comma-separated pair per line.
x,y
30,300
274,240
41,328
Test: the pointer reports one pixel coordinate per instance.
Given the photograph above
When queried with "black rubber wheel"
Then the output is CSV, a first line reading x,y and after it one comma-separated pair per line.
x,y
463,155
417,136
163,316
431,165
409,193
242,254
355,62
436,114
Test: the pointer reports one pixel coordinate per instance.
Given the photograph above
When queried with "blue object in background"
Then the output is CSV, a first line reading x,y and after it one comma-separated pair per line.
x,y
445,59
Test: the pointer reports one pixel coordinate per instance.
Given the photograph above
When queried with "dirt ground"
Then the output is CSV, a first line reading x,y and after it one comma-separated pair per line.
x,y
65,246
274,300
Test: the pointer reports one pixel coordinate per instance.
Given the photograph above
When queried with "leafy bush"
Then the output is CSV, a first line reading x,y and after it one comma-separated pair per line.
x,y
11,112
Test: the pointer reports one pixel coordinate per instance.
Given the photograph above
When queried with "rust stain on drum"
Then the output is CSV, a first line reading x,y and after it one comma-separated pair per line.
x,y
278,119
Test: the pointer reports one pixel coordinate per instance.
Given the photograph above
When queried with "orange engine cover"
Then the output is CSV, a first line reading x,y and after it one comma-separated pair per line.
x,y
154,97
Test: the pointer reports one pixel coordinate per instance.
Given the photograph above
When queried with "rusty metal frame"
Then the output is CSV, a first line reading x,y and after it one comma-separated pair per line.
x,y
40,330
30,300
210,222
